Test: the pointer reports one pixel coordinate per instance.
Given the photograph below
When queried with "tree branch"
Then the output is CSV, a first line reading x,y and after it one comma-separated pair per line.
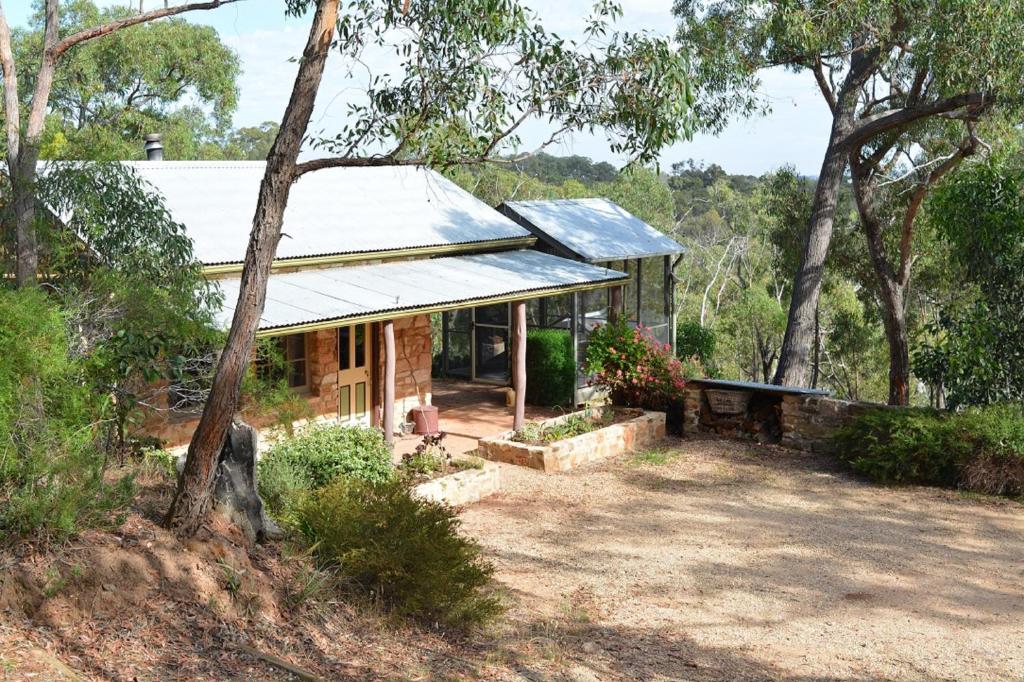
x,y
102,30
823,84
12,114
898,118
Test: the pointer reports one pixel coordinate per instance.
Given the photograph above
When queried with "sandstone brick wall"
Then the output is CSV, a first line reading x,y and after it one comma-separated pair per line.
x,y
412,370
413,355
463,487
809,422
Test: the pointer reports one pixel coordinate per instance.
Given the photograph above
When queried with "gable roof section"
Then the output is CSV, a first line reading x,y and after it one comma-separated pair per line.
x,y
330,212
591,229
326,297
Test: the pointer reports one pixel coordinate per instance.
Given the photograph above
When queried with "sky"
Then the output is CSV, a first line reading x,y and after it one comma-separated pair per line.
x,y
793,133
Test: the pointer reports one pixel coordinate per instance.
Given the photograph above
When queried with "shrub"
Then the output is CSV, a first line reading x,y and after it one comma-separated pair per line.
x,y
403,551
638,370
696,342
550,367
317,456
980,449
52,480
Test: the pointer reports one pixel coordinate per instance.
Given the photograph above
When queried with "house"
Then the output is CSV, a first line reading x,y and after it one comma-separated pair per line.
x,y
367,255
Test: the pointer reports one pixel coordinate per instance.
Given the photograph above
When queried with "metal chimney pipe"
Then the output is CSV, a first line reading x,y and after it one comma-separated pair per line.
x,y
154,147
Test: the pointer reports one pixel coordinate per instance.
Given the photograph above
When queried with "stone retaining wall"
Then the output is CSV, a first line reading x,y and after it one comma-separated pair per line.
x,y
563,455
801,422
462,487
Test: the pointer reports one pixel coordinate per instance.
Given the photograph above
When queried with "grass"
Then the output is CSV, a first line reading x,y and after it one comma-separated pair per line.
x,y
654,456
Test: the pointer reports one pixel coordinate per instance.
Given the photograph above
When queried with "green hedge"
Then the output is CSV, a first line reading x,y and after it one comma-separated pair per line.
x,y
550,368
980,449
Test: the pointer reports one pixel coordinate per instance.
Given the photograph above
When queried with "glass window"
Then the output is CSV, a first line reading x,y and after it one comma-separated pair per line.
x,y
653,311
496,315
344,347
629,291
360,347
535,312
289,363
558,311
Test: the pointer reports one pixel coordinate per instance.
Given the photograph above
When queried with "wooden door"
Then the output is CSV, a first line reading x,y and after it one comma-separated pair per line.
x,y
354,389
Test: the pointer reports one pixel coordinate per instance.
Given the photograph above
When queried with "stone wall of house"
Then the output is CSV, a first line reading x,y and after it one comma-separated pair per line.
x,y
801,422
413,355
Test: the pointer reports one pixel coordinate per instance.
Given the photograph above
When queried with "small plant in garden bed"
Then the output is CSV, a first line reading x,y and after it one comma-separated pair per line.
x,y
568,427
431,459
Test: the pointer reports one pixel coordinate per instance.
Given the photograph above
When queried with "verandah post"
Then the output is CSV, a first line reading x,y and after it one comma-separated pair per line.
x,y
615,309
519,363
389,382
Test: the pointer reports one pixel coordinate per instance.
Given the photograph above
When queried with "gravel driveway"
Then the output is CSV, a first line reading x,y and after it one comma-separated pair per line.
x,y
730,561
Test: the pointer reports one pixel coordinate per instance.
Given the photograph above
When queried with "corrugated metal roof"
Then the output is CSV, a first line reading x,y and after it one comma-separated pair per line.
x,y
339,293
332,211
593,229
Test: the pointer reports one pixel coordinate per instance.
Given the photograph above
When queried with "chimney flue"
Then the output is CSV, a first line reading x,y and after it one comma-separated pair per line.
x,y
154,147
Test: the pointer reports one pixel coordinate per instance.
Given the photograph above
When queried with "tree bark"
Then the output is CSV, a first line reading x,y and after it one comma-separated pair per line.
x,y
894,319
794,360
194,497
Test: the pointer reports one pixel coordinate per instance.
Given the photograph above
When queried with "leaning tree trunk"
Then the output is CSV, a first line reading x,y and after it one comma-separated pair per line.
x,y
794,359
196,484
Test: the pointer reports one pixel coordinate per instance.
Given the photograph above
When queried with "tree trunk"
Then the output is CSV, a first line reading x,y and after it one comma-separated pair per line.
x,y
794,360
194,497
894,317
23,207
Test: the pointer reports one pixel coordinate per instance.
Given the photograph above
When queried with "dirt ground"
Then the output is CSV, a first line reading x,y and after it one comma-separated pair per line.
x,y
707,560
717,560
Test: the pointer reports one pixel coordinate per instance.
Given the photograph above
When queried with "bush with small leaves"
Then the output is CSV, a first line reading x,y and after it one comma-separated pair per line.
x,y
404,552
318,455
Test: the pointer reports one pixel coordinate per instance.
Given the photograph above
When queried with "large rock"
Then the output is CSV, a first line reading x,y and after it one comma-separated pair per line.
x,y
236,495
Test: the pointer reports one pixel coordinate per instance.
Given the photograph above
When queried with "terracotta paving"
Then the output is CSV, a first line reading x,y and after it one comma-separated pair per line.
x,y
470,411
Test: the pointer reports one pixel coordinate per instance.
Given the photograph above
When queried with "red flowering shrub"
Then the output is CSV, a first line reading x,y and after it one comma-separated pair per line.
x,y
637,369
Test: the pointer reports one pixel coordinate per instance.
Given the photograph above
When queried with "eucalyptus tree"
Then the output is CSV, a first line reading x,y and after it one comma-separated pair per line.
x,y
470,74
30,93
886,69
107,94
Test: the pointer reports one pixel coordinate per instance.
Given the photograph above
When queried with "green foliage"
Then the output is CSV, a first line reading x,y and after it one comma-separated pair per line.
x,y
550,367
569,426
129,280
51,468
469,72
981,449
171,76
639,371
317,456
975,352
695,341
402,551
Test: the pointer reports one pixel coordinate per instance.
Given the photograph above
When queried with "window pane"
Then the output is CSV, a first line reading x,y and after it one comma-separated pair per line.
x,y
493,314
460,320
458,354
295,348
297,373
652,292
629,292
533,313
345,404
360,351
593,309
360,398
559,311
344,350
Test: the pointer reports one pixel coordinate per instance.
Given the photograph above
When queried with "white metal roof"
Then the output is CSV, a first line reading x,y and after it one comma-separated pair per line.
x,y
332,211
592,229
358,291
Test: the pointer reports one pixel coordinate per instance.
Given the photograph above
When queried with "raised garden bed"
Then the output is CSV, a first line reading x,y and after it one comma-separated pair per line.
x,y
443,477
566,442
470,480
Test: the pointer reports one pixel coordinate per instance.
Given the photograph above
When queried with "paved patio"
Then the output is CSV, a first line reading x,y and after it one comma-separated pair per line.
x,y
471,411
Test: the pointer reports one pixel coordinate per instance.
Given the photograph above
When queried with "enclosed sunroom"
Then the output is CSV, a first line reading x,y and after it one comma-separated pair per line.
x,y
475,341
